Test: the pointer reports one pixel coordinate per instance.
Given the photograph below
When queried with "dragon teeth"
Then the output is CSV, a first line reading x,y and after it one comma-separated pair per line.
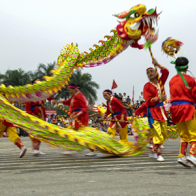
x,y
143,20
147,21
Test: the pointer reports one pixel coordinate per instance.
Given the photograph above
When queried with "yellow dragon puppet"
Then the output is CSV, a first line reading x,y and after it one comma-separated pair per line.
x,y
134,23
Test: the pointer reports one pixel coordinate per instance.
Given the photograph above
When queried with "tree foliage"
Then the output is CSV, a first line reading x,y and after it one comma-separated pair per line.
x,y
87,86
20,77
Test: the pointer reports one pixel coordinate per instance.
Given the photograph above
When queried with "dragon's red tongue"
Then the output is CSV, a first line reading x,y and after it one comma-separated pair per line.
x,y
150,35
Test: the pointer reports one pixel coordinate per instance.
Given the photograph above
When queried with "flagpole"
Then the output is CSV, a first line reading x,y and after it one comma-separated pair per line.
x,y
133,96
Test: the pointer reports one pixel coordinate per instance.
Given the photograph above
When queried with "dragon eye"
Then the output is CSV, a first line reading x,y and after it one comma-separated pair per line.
x,y
134,15
137,15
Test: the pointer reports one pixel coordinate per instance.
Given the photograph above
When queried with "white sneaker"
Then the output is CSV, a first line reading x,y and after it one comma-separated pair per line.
x,y
22,152
183,161
92,153
191,159
160,158
153,155
150,146
162,147
37,152
69,152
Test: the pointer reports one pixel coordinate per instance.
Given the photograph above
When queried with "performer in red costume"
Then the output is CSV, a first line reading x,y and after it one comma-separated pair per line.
x,y
36,109
12,135
142,111
78,112
183,98
119,115
155,112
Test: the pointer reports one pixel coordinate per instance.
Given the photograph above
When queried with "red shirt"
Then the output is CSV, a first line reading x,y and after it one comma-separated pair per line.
x,y
7,124
113,106
179,92
37,107
142,110
152,94
78,102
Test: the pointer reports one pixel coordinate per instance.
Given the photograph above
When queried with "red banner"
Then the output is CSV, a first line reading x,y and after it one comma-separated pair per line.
x,y
133,96
114,85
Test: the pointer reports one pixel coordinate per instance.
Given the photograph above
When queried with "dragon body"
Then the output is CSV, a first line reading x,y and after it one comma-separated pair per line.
x,y
172,132
133,25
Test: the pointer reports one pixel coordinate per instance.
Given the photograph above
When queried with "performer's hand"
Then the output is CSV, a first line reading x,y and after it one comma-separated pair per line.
x,y
102,119
54,102
154,61
163,97
73,117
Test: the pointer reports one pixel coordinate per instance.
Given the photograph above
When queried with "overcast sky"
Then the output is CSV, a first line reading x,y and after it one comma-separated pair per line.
x,y
34,31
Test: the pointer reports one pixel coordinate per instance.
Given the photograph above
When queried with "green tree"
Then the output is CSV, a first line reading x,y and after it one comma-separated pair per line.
x,y
44,70
87,86
16,77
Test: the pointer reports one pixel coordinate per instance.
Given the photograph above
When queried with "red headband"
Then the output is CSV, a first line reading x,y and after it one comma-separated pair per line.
x,y
73,87
150,68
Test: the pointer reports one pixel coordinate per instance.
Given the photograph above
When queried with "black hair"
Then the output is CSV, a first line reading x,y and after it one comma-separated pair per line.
x,y
181,61
73,84
33,81
107,91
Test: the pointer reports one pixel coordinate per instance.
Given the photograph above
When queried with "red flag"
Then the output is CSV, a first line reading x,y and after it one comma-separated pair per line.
x,y
133,96
114,85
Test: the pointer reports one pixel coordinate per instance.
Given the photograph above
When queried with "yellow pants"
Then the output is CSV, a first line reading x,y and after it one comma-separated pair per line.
x,y
159,132
187,130
122,132
11,131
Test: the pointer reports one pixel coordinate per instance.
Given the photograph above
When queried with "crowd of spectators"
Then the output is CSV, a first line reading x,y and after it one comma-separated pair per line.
x,y
128,104
60,121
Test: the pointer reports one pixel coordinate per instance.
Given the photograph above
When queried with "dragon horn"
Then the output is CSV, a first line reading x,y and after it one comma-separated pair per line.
x,y
101,41
96,46
108,37
113,31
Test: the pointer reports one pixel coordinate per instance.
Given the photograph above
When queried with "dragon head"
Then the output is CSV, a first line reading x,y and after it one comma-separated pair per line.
x,y
137,22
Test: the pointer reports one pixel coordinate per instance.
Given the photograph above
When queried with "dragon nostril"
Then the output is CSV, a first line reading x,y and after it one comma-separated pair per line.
x,y
143,15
